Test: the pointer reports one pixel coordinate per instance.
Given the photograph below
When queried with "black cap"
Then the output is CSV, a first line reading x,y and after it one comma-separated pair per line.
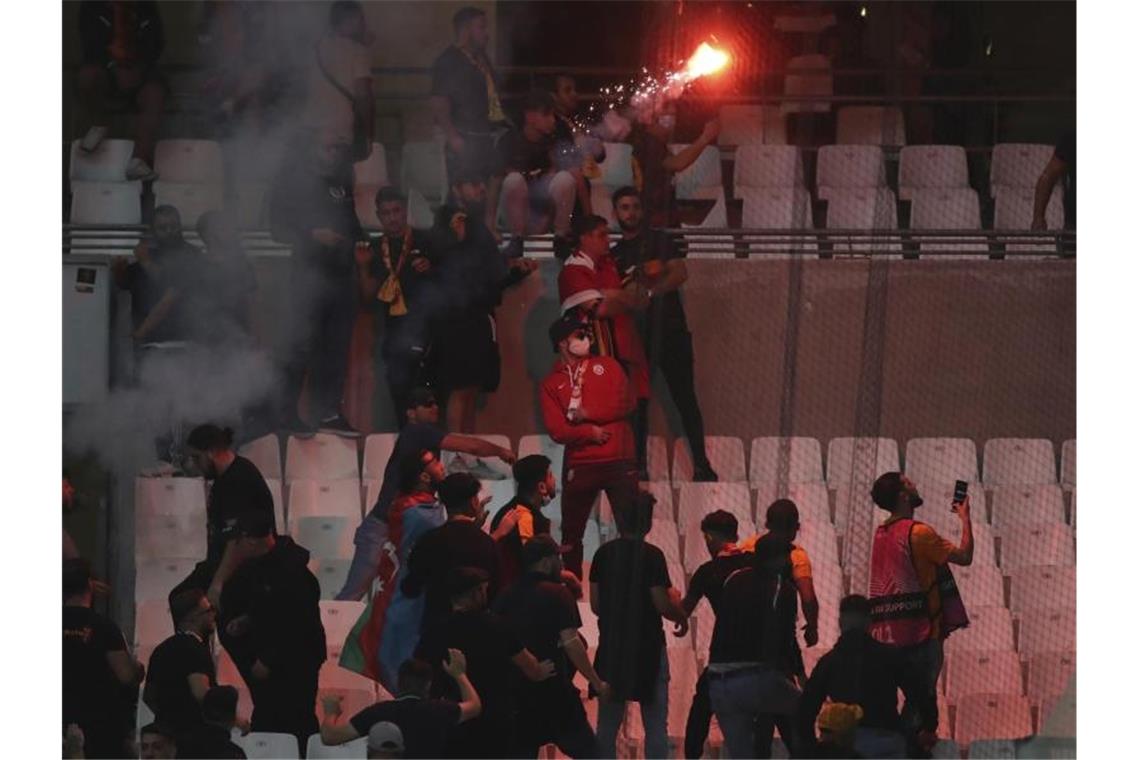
x,y
463,579
421,396
564,327
539,548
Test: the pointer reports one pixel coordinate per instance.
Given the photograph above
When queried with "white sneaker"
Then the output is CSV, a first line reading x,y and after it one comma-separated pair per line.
x,y
93,139
138,169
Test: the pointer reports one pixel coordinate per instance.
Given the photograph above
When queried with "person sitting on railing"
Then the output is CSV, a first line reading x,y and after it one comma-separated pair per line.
x,y
539,190
576,151
122,43
165,270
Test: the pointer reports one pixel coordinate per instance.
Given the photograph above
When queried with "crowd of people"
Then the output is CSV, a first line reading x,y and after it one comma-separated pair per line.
x,y
475,628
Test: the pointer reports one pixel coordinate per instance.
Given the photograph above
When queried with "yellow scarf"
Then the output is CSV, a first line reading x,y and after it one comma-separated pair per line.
x,y
494,107
391,292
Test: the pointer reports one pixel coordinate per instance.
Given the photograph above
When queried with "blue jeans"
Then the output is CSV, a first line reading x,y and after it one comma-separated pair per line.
x,y
739,697
654,717
876,742
369,539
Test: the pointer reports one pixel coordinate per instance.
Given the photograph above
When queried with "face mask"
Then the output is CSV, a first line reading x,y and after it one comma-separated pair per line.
x,y
579,347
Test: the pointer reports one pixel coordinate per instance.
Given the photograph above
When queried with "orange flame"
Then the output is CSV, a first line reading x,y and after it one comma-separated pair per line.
x,y
707,60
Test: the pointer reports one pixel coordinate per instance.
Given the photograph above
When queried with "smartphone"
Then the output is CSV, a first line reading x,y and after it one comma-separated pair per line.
x,y
960,487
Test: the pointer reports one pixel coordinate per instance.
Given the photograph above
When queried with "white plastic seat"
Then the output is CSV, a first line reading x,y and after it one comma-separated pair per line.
x,y
698,499
170,496
1027,504
785,460
420,214
500,491
979,586
1017,165
853,505
170,536
279,522
982,673
992,749
1013,210
938,497
250,204
663,535
589,629
144,716
849,167
657,459
1050,674
1042,587
827,579
263,745
992,716
422,168
1057,717
948,209
726,455
779,209
265,453
808,75
372,171
664,509
105,203
1069,463
818,539
353,750
702,179
747,124
924,167
153,624
191,199
1018,461
364,201
617,168
860,460
810,498
486,465
990,630
870,125
767,167
948,525
325,498
1026,544
941,460
107,163
683,675
324,537
338,618
321,457
871,209
711,246
601,201
378,448
331,574
154,578
189,161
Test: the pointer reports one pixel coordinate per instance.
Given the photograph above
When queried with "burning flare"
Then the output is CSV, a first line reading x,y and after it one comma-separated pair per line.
x,y
707,60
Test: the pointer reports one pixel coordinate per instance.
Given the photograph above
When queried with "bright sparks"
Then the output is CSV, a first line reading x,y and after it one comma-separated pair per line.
x,y
707,60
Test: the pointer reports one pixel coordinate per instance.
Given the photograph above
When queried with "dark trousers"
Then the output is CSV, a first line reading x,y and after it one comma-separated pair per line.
x,y
700,716
557,718
323,307
671,350
581,485
491,735
766,724
286,702
403,349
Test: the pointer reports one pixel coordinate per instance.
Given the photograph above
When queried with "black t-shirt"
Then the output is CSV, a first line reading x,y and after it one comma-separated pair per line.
x,y
650,153
415,286
540,608
238,490
1066,151
488,642
456,543
757,619
178,266
510,545
425,723
414,438
531,159
629,627
91,693
167,691
209,741
708,580
665,312
456,78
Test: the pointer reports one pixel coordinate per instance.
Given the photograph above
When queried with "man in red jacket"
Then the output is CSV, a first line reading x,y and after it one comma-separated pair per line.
x,y
586,403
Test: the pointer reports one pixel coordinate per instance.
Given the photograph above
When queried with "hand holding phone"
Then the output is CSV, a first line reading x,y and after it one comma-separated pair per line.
x,y
960,488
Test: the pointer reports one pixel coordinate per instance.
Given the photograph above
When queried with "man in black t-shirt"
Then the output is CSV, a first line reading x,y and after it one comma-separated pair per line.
x,y
494,655
521,518
212,737
422,433
460,542
720,533
1062,166
630,592
578,152
100,676
543,612
652,257
537,192
182,667
425,723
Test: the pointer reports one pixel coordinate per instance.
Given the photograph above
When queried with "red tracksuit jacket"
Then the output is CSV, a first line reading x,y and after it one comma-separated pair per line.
x,y
607,399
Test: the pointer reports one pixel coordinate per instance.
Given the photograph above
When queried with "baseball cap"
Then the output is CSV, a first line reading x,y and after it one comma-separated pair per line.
x,y
462,579
539,548
564,327
386,736
421,396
